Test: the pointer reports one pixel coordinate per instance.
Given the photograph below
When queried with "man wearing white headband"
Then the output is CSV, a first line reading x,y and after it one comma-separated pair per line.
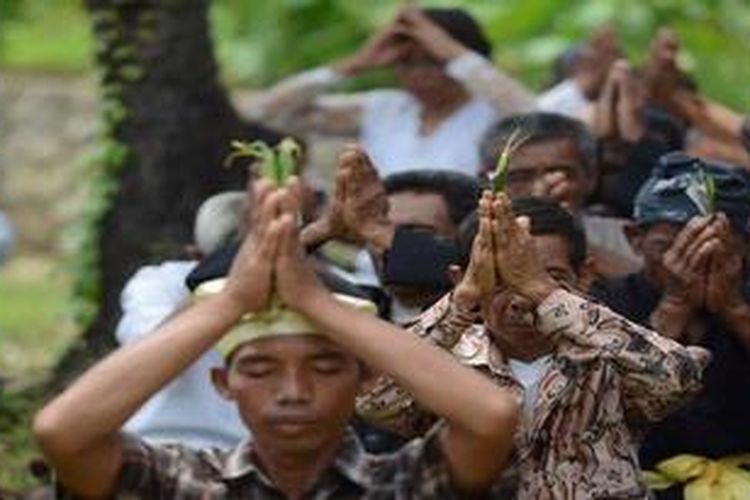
x,y
294,391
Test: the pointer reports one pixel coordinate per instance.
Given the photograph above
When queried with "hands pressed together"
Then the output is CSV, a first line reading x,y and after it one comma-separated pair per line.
x,y
358,209
397,41
503,255
272,259
703,271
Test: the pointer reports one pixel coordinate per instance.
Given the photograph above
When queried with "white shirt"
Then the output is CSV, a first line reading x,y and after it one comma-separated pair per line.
x,y
529,375
390,133
388,121
188,411
565,98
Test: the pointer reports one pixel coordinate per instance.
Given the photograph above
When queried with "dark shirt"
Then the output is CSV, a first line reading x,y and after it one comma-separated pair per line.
x,y
418,470
619,188
717,422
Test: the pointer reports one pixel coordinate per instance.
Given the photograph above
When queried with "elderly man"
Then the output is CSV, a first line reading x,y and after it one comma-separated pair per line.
x,y
295,392
588,376
694,289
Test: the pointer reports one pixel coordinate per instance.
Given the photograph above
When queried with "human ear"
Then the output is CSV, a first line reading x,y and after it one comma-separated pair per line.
x,y
455,274
586,273
634,235
220,381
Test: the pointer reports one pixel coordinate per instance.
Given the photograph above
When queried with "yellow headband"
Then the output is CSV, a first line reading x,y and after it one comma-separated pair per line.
x,y
276,321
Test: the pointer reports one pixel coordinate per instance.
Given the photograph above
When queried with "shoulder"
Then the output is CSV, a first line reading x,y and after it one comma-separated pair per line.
x,y
386,101
169,274
419,468
162,471
169,461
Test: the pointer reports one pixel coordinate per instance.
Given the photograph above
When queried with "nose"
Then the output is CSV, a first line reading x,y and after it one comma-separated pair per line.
x,y
295,388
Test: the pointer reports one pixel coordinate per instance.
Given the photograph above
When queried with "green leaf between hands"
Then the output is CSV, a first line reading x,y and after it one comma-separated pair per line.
x,y
275,164
500,175
709,188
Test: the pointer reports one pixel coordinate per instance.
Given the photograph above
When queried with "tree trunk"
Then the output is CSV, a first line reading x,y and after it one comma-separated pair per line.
x,y
156,58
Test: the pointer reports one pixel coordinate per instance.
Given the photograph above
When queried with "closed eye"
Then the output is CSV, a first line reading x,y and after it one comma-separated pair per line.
x,y
328,364
255,368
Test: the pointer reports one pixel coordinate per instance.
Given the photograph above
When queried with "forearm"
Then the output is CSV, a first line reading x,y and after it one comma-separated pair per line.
x,y
719,119
387,404
485,81
98,404
315,234
656,373
671,317
297,100
470,401
737,318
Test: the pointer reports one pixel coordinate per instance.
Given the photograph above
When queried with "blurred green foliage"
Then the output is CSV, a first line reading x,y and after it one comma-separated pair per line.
x,y
259,41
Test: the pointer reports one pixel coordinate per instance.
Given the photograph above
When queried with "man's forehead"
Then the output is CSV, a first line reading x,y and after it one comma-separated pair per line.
x,y
302,345
553,249
418,208
543,151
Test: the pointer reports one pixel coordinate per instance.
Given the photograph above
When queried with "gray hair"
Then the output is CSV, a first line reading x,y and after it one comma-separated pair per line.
x,y
218,220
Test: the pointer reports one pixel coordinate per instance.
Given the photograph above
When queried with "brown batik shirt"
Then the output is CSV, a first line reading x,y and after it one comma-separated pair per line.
x,y
418,470
606,378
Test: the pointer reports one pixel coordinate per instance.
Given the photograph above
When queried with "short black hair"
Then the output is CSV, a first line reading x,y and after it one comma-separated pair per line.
x,y
538,127
460,191
462,27
547,217
564,64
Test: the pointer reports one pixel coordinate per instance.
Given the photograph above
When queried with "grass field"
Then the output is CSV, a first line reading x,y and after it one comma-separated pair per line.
x,y
34,331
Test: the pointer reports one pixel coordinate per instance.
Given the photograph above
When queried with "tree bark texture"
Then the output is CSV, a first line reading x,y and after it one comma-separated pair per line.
x,y
156,57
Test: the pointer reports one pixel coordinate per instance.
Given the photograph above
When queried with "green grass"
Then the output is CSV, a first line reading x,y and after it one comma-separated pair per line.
x,y
54,39
34,332
34,323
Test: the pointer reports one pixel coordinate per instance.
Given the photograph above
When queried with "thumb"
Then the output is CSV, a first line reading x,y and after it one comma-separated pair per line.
x,y
524,223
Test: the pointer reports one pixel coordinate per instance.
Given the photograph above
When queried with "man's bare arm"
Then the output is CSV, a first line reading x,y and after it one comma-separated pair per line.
x,y
79,431
481,418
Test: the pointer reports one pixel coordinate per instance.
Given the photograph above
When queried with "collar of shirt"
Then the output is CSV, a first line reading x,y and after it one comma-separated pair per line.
x,y
352,462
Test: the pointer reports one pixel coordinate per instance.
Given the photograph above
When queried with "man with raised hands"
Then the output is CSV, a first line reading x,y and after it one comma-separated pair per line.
x,y
294,369
589,378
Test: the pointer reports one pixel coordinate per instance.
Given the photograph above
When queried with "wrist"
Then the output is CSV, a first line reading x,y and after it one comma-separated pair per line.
x,y
230,305
735,311
452,52
312,302
466,298
347,67
538,290
316,233
379,238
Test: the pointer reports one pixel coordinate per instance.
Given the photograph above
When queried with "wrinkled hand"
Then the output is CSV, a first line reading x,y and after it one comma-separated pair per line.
x,y
556,186
686,261
249,280
431,37
661,72
617,112
516,258
478,284
724,274
599,53
359,207
295,280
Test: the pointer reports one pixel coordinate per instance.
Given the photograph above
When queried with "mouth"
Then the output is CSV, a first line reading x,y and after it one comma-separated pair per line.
x,y
292,425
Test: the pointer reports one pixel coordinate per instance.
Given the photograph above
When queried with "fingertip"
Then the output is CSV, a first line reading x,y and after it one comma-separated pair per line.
x,y
524,222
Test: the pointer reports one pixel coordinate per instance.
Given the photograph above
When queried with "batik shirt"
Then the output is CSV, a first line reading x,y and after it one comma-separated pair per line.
x,y
607,377
418,470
